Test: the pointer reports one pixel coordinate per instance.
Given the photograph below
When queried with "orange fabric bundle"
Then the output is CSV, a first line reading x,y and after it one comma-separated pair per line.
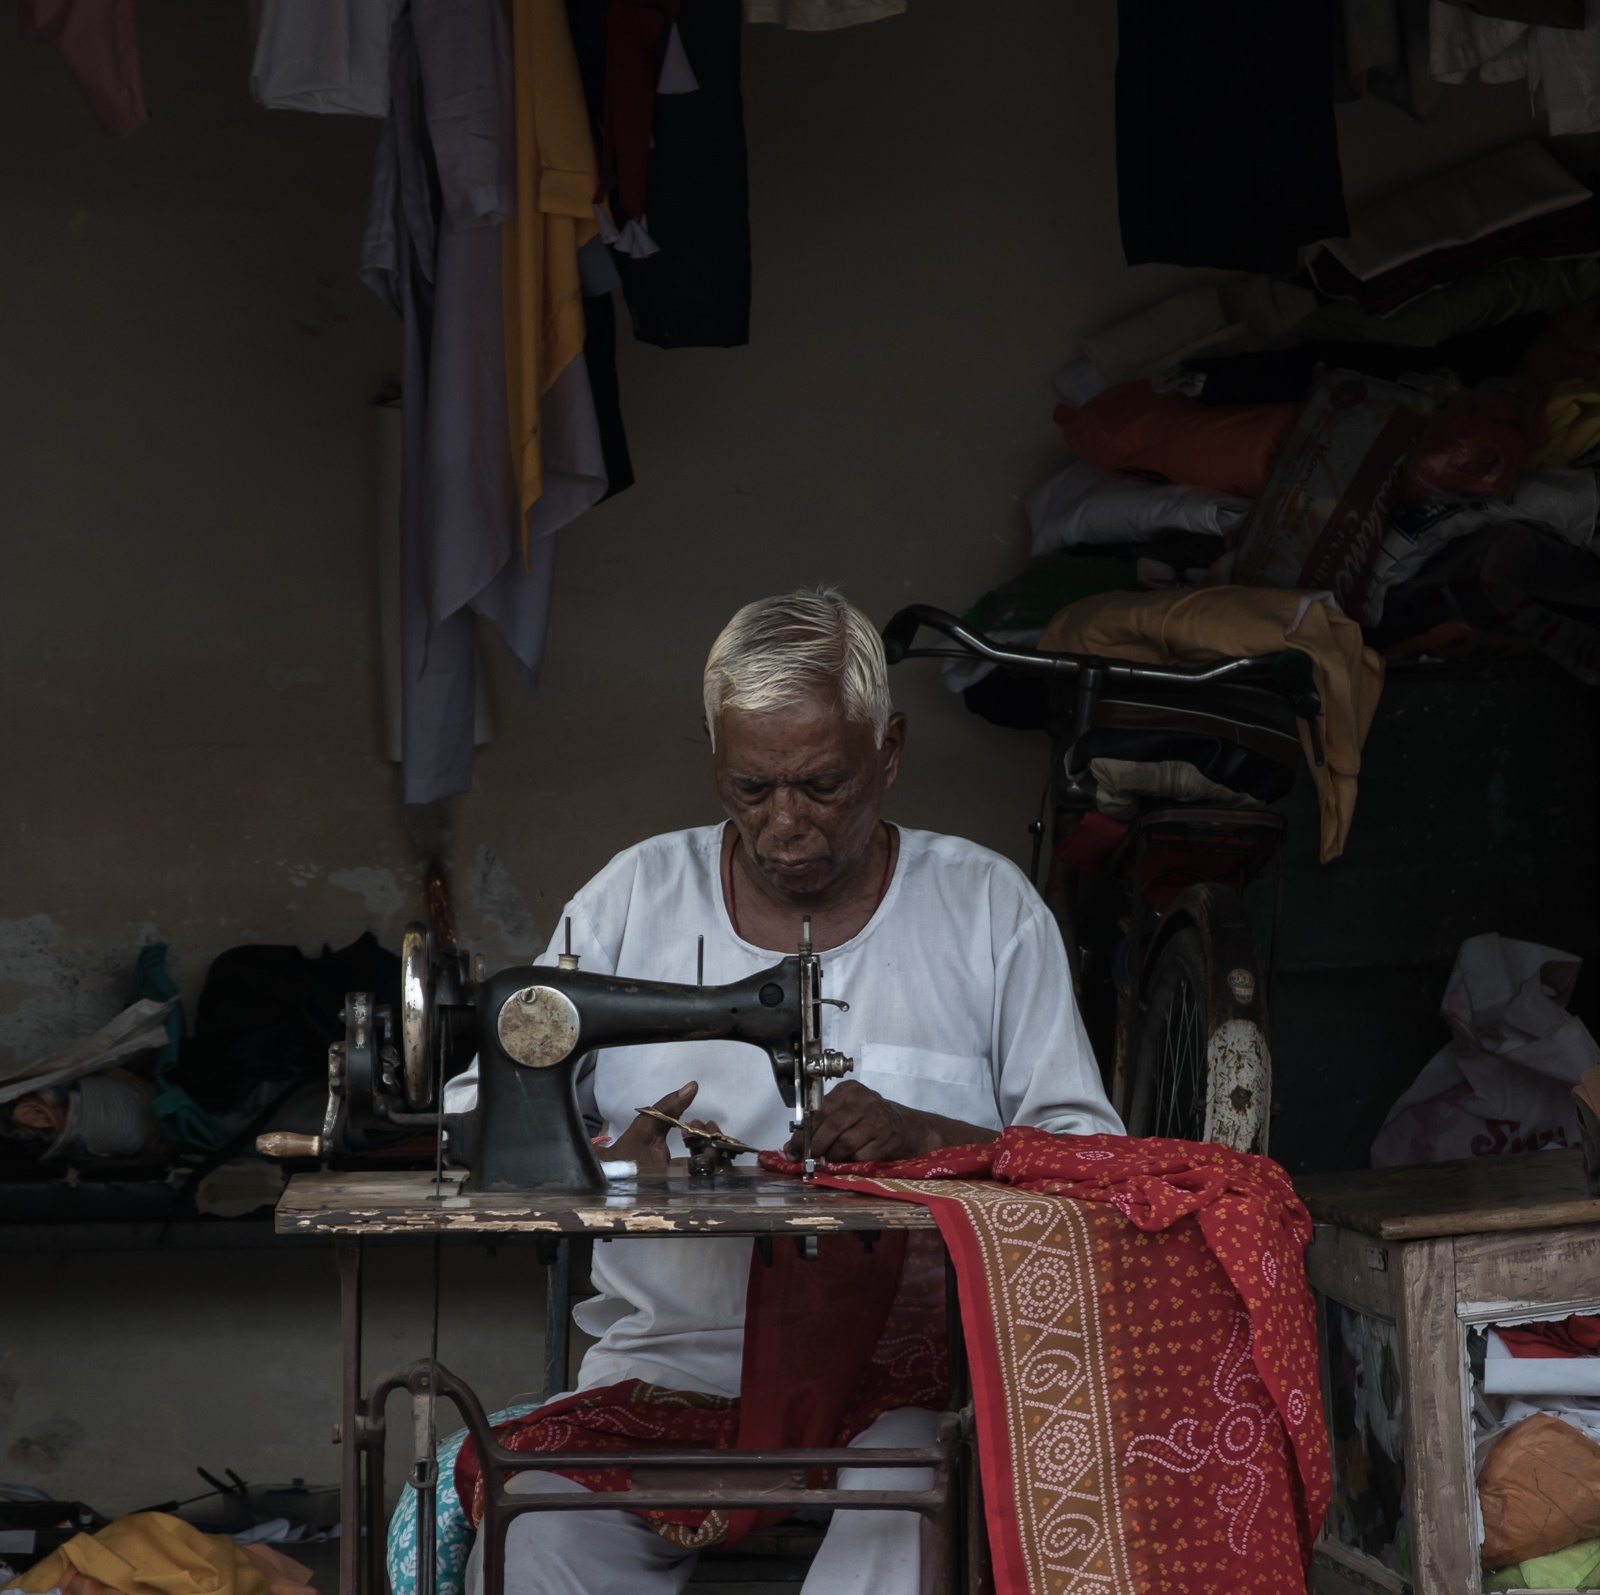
x,y
1229,448
1539,1491
154,1553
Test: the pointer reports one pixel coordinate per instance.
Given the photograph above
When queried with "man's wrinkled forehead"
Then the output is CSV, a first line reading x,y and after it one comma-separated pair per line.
x,y
811,737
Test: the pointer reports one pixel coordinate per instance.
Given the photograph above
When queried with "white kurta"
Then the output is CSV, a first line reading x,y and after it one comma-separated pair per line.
x,y
960,1003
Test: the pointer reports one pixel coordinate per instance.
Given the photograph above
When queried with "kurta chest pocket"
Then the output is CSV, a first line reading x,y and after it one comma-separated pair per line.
x,y
939,1082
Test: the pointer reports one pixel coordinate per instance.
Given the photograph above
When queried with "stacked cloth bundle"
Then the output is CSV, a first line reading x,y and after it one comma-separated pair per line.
x,y
1536,1438
1409,435
1143,1351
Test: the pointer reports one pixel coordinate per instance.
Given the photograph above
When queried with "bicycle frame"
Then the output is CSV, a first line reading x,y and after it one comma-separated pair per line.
x,y
1153,909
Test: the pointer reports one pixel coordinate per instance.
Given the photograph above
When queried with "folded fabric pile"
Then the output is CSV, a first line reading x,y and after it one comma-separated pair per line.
x,y
154,1553
1410,430
1536,1438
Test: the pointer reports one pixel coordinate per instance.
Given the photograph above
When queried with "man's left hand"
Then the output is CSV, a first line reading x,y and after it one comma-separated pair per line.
x,y
856,1125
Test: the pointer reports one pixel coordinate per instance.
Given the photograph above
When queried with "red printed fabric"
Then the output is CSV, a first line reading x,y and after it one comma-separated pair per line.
x,y
1575,1336
630,1416
813,1375
1144,1358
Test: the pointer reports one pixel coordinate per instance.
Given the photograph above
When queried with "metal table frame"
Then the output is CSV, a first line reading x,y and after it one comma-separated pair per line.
x,y
664,1480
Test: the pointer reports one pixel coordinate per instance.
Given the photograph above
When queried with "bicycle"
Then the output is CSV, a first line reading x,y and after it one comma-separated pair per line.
x,y
1174,972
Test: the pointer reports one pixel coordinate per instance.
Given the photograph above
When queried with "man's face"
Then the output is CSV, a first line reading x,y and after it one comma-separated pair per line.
x,y
805,786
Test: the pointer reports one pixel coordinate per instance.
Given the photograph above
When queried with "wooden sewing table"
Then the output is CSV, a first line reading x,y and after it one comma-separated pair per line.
x,y
354,1206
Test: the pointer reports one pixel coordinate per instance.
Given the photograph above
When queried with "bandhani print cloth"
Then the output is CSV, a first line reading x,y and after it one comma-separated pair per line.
x,y
631,1416
812,1377
1144,1359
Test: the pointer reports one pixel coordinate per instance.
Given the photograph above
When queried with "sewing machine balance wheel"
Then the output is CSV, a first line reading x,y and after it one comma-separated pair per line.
x,y
416,1015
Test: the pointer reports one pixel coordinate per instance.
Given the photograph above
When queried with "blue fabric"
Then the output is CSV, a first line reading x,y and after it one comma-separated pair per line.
x,y
179,1117
454,1536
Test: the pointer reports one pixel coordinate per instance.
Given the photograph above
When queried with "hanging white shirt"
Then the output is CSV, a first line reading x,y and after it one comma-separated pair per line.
x,y
322,55
960,1004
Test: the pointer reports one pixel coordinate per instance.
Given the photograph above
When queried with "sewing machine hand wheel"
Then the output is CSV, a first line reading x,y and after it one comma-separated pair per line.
x,y
416,1017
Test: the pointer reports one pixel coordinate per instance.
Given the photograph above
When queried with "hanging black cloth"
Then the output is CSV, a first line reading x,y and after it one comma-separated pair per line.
x,y
1227,154
694,291
600,354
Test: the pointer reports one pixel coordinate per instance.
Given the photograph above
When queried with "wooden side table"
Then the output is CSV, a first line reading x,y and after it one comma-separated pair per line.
x,y
1433,1251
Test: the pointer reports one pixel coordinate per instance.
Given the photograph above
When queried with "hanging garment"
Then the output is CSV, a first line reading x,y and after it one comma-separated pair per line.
x,y
1561,64
544,334
1227,153
444,184
323,55
673,162
818,16
96,39
1385,44
600,281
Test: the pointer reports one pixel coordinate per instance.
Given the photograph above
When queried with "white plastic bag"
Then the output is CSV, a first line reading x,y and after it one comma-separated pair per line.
x,y
1504,1084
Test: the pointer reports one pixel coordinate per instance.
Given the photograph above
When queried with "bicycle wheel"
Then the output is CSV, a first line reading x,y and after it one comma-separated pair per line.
x,y
1202,1068
1169,1090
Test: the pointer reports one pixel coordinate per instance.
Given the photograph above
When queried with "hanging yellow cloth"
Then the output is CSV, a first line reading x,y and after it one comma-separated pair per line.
x,y
556,179
1213,623
154,1553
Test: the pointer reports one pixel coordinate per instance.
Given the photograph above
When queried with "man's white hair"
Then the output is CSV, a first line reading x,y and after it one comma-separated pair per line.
x,y
779,651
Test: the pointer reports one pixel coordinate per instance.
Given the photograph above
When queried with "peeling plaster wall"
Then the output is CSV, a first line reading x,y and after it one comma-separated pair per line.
x,y
133,1370
192,728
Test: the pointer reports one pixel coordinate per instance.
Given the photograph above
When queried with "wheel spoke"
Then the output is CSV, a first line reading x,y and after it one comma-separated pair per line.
x,y
1180,1085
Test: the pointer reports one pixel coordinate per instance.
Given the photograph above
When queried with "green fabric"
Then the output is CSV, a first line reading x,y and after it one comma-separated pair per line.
x,y
1484,299
1577,1567
1030,600
177,1114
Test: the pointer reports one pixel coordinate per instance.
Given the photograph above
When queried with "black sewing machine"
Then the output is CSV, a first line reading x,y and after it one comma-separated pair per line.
x,y
529,1028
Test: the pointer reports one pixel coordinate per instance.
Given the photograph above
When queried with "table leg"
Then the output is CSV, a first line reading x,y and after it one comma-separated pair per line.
x,y
425,1482
977,1530
557,1317
965,1544
347,1251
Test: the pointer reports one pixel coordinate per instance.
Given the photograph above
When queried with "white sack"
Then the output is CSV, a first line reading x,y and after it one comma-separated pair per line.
x,y
1504,1083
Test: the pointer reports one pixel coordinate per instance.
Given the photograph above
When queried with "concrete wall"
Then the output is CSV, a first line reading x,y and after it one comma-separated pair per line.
x,y
191,733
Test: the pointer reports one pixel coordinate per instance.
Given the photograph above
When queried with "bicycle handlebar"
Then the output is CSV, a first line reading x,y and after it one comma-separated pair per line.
x,y
902,630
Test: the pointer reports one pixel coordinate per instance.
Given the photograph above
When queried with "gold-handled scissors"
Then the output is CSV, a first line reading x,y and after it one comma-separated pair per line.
x,y
713,1138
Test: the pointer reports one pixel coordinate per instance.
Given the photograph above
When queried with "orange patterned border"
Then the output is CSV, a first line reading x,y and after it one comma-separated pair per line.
x,y
1038,1259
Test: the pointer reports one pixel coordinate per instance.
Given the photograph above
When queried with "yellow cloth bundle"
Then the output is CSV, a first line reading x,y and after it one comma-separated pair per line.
x,y
1214,623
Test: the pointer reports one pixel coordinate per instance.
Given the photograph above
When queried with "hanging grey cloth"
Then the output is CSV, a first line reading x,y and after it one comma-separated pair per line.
x,y
442,187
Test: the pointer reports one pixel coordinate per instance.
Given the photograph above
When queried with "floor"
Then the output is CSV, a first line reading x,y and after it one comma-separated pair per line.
x,y
772,1563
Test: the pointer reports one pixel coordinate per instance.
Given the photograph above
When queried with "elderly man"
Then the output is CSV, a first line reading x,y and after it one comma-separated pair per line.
x,y
961,1021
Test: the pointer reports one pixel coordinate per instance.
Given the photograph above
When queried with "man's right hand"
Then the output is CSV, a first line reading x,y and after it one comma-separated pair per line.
x,y
644,1142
